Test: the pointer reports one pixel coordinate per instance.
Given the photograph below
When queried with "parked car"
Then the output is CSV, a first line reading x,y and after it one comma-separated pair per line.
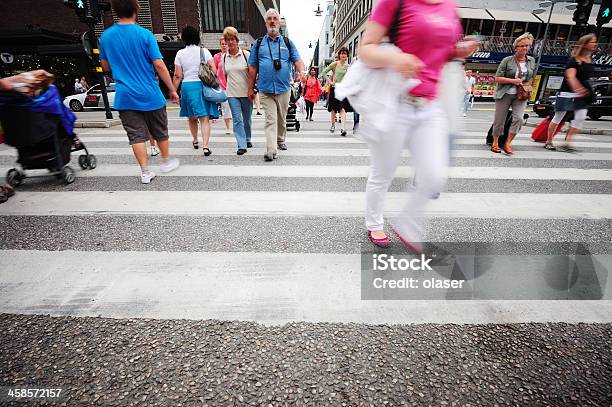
x,y
602,106
90,99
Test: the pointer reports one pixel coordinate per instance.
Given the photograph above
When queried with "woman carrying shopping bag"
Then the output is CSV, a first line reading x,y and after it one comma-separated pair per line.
x,y
186,74
427,32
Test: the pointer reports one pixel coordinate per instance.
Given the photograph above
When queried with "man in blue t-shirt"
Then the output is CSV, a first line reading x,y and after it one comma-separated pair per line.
x,y
131,52
271,59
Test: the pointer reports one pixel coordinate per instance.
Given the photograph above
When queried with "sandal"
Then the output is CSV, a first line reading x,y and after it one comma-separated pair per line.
x,y
196,145
207,151
507,149
495,149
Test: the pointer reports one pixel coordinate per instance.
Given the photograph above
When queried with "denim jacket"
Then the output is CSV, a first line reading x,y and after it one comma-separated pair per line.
x,y
508,69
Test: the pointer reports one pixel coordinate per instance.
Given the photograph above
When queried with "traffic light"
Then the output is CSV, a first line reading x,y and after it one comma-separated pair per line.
x,y
605,13
98,8
80,6
583,11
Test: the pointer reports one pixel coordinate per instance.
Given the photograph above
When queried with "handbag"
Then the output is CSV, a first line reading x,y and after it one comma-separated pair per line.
x,y
207,74
525,89
214,95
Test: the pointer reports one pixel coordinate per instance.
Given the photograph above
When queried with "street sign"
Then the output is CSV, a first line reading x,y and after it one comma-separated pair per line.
x,y
7,58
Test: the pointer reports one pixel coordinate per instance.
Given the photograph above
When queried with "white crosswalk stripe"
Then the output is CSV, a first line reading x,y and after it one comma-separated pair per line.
x,y
282,283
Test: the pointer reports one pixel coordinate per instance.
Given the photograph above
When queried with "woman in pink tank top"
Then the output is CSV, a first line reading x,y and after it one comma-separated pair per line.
x,y
427,33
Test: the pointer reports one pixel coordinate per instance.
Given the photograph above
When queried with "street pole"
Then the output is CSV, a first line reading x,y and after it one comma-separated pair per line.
x,y
99,72
552,6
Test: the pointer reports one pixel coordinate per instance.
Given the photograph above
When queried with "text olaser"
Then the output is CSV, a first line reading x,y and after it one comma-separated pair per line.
x,y
385,262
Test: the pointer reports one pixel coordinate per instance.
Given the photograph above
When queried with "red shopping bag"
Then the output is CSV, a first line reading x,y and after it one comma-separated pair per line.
x,y
540,134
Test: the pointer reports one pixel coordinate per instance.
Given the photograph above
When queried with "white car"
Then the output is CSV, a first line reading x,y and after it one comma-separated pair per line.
x,y
90,99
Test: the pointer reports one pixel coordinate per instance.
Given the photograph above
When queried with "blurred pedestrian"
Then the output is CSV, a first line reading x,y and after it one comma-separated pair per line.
x,y
186,75
514,72
84,84
311,89
236,67
576,93
270,59
426,33
335,106
132,53
469,83
226,112
78,87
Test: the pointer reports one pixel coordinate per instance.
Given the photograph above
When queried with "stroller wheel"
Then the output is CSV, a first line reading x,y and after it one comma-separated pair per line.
x,y
14,177
68,175
92,161
83,161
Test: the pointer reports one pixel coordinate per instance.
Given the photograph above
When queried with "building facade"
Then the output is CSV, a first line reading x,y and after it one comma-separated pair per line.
x,y
49,37
324,52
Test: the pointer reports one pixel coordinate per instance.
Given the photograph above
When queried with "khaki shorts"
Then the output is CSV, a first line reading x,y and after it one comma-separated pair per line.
x,y
138,124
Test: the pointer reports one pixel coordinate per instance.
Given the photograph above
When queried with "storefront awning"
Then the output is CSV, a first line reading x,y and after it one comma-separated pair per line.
x,y
474,13
509,15
558,18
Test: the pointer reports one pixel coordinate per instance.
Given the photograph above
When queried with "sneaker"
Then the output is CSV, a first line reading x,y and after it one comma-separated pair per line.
x,y
241,151
343,133
550,147
258,113
249,144
464,114
566,148
169,165
146,177
332,128
268,157
154,151
282,146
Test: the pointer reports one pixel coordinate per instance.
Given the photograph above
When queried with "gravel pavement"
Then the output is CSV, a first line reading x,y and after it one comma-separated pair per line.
x,y
198,363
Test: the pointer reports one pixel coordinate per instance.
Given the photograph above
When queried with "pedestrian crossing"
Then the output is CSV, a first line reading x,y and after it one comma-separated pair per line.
x,y
235,238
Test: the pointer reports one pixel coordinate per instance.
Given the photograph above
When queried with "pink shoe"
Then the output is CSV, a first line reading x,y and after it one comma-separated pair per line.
x,y
413,247
384,242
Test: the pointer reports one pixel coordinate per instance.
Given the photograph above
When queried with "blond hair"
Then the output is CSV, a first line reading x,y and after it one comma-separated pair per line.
x,y
582,41
526,36
229,32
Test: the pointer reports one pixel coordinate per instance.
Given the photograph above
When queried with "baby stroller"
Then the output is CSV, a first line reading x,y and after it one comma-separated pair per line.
x,y
292,120
41,129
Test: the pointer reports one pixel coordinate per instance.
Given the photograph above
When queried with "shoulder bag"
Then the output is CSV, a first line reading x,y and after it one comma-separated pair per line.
x,y
525,89
207,74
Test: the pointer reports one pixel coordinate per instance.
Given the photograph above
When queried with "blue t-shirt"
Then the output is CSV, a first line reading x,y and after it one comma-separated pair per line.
x,y
130,50
270,80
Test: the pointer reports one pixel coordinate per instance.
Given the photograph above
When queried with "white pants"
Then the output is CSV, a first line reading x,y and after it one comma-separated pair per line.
x,y
579,118
424,132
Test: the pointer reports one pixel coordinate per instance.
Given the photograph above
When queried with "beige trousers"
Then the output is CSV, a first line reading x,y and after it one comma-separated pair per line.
x,y
275,108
